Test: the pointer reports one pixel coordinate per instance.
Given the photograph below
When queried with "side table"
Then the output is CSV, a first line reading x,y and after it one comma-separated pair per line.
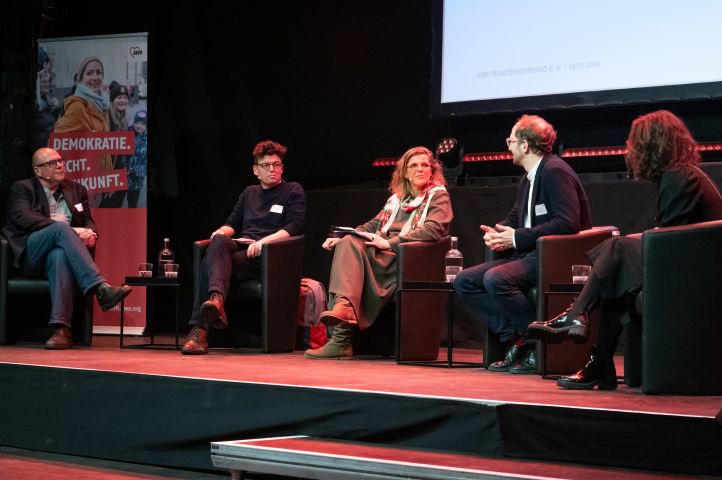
x,y
152,282
444,288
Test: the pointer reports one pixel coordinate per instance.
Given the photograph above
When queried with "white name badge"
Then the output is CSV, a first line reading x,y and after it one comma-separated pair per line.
x,y
277,209
540,209
79,207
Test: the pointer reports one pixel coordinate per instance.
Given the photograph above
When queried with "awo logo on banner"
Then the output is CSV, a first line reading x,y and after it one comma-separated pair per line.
x,y
135,51
83,154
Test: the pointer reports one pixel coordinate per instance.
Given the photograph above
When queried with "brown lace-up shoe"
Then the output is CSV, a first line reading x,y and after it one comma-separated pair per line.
x,y
212,312
62,339
197,342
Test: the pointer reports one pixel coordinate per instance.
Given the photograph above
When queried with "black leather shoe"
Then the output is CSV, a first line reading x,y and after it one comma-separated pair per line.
x,y
62,339
557,329
599,371
109,296
212,312
513,355
197,342
527,365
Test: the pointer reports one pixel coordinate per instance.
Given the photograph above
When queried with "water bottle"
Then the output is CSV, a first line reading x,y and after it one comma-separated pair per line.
x,y
454,261
165,256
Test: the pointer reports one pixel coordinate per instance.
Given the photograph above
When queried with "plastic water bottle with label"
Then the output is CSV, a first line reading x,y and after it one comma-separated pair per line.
x,y
454,261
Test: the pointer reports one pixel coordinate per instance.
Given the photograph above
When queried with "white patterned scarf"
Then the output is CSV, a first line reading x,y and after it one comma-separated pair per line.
x,y
420,204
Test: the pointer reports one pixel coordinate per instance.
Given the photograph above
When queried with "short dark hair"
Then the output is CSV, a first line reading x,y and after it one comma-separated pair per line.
x,y
658,141
539,134
268,147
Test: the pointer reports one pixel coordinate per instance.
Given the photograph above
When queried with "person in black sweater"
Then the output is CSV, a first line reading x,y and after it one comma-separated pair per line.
x,y
270,211
660,149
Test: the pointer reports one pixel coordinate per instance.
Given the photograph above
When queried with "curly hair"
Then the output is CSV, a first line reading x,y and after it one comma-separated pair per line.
x,y
658,141
539,134
268,147
400,185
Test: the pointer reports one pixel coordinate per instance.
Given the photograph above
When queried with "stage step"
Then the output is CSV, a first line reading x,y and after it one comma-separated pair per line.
x,y
324,459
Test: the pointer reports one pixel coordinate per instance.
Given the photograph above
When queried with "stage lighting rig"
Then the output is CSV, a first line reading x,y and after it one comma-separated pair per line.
x,y
451,155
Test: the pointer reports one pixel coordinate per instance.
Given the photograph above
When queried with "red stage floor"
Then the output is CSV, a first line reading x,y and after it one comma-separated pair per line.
x,y
362,374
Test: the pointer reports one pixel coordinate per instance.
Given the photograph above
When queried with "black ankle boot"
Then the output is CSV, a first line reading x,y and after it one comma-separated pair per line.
x,y
599,371
567,323
109,295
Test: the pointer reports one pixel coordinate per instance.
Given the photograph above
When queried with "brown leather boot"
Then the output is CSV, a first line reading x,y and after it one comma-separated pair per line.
x,y
338,348
342,312
212,312
197,342
62,339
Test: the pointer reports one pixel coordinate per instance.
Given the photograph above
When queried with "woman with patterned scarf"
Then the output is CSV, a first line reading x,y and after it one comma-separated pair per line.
x,y
363,272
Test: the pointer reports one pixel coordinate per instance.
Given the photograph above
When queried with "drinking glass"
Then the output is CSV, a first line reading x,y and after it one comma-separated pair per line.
x,y
145,269
171,270
580,273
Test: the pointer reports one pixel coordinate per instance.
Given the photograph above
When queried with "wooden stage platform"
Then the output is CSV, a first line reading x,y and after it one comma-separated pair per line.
x,y
158,407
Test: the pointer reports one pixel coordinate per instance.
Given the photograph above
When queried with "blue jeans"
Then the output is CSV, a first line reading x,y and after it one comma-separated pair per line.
x,y
225,262
494,293
57,253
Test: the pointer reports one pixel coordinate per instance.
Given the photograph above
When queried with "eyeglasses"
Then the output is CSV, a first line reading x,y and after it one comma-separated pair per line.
x,y
51,163
509,141
268,166
417,166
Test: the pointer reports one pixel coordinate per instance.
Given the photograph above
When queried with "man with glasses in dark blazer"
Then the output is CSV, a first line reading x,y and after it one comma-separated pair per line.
x,y
50,232
550,200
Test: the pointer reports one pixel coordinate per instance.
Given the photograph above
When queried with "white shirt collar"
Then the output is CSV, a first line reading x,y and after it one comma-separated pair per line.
x,y
532,173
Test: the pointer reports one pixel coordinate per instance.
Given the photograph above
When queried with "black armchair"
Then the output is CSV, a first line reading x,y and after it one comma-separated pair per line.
x,y
18,323
419,315
410,330
556,255
277,291
677,339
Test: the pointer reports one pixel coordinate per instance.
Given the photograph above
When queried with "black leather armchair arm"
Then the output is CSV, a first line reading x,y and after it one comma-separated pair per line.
x,y
11,283
422,261
4,266
681,305
557,254
281,267
419,314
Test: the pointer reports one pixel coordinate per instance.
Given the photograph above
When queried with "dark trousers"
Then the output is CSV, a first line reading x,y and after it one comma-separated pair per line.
x,y
494,292
225,263
618,266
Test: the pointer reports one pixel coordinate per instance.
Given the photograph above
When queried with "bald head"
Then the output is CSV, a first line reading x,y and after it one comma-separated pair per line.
x,y
43,155
48,166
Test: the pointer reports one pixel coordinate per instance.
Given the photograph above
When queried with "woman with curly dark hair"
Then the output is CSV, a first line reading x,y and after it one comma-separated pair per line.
x,y
660,149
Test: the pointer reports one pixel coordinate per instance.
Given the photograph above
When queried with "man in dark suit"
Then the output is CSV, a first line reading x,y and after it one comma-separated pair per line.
x,y
50,231
550,200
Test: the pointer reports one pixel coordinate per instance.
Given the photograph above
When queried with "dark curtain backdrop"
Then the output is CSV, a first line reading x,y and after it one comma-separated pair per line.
x,y
339,83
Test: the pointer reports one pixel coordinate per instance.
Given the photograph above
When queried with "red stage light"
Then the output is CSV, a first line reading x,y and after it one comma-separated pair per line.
x,y
569,153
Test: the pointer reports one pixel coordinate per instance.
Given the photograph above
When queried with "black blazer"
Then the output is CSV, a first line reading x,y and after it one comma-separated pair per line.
x,y
28,212
559,204
686,195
